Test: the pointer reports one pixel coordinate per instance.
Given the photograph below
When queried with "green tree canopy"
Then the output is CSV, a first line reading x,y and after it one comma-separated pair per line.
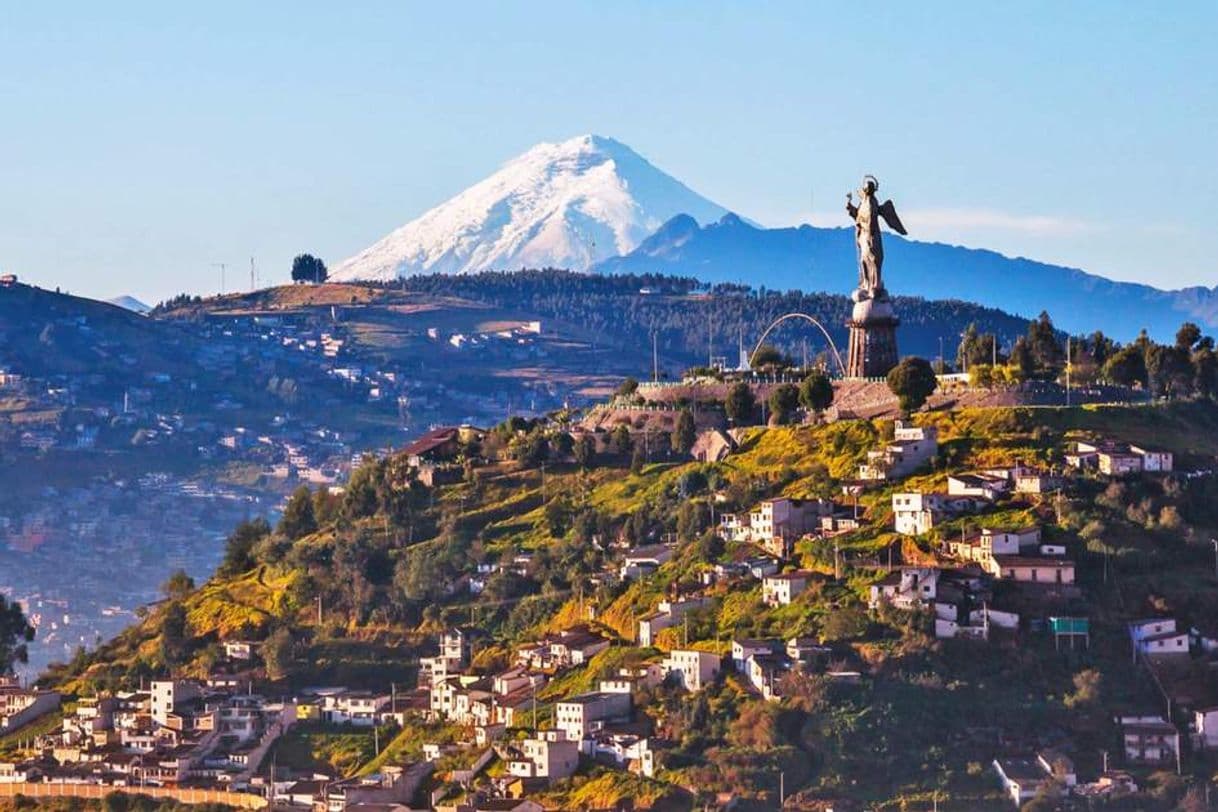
x,y
178,585
308,268
816,392
740,403
768,355
298,519
783,401
585,450
16,634
1127,366
685,434
239,547
912,381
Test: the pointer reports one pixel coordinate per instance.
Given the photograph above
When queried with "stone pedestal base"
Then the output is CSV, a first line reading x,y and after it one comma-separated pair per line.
x,y
873,336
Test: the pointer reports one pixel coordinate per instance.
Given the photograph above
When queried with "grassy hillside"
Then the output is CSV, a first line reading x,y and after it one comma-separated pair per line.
x,y
389,563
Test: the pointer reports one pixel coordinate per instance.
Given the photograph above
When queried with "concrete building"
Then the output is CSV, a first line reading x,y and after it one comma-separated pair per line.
x,y
693,670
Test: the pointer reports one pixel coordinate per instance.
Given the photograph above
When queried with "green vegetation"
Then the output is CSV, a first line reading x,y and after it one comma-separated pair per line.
x,y
15,635
387,565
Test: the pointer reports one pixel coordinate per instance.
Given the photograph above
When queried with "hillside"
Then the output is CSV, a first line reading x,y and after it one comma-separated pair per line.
x,y
810,258
691,321
391,562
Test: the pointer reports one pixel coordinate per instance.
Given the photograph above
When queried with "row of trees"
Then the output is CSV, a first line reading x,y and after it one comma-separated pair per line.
x,y
1186,367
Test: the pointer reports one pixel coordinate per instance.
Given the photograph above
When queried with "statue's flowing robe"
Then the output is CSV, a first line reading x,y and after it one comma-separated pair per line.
x,y
867,237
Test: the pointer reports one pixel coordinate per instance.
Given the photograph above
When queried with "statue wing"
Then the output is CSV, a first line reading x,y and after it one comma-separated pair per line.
x,y
889,213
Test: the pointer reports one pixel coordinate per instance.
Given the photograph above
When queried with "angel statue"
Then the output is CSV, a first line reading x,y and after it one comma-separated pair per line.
x,y
867,232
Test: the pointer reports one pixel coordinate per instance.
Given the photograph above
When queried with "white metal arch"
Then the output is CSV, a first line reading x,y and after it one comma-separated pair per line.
x,y
837,356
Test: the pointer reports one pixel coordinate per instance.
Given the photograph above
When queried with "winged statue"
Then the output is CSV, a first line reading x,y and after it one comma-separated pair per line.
x,y
867,215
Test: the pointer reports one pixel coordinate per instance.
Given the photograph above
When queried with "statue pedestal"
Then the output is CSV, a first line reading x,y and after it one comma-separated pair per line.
x,y
873,335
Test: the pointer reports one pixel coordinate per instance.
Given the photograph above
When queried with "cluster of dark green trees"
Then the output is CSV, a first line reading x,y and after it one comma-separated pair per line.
x,y
1186,367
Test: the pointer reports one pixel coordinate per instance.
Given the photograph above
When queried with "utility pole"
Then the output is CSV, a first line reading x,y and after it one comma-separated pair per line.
x,y
253,276
1067,372
222,266
655,356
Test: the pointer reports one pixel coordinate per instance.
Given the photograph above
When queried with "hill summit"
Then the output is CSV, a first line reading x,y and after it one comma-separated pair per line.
x,y
565,205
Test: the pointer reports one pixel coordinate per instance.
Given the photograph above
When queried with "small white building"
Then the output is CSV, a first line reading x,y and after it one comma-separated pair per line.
x,y
693,670
546,756
782,588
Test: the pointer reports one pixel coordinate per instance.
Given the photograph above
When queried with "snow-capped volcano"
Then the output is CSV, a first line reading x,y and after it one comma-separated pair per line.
x,y
566,205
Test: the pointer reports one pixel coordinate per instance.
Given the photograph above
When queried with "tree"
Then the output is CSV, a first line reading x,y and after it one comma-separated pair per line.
x,y
912,381
685,434
1205,372
1169,370
533,449
1023,362
1126,366
585,450
277,653
239,547
308,268
627,388
783,401
360,496
1187,336
561,445
1087,684
298,519
768,356
16,634
621,439
816,392
975,348
178,585
557,515
740,403
637,460
1042,341
175,635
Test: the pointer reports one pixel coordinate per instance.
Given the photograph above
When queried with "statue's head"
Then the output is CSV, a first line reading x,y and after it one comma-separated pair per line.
x,y
870,185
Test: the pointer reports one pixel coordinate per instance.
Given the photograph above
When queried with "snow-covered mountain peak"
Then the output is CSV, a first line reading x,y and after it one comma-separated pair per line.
x,y
568,205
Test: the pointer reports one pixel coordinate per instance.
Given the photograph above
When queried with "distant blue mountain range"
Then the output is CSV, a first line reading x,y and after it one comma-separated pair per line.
x,y
823,259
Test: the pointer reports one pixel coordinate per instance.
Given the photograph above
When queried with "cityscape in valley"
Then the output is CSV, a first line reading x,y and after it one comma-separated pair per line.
x,y
583,491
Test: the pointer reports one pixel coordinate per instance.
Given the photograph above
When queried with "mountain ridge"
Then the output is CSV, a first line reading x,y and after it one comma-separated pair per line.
x,y
564,204
809,257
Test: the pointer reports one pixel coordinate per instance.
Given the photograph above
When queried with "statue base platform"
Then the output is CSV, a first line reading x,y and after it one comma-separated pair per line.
x,y
873,335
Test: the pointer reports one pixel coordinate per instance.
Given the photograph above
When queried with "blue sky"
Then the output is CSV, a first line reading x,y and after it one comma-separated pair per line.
x,y
142,142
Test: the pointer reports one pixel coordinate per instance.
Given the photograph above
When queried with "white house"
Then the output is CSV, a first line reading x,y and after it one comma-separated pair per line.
x,y
1205,727
546,756
1022,778
694,670
912,447
782,588
580,715
1158,636
906,588
1149,739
